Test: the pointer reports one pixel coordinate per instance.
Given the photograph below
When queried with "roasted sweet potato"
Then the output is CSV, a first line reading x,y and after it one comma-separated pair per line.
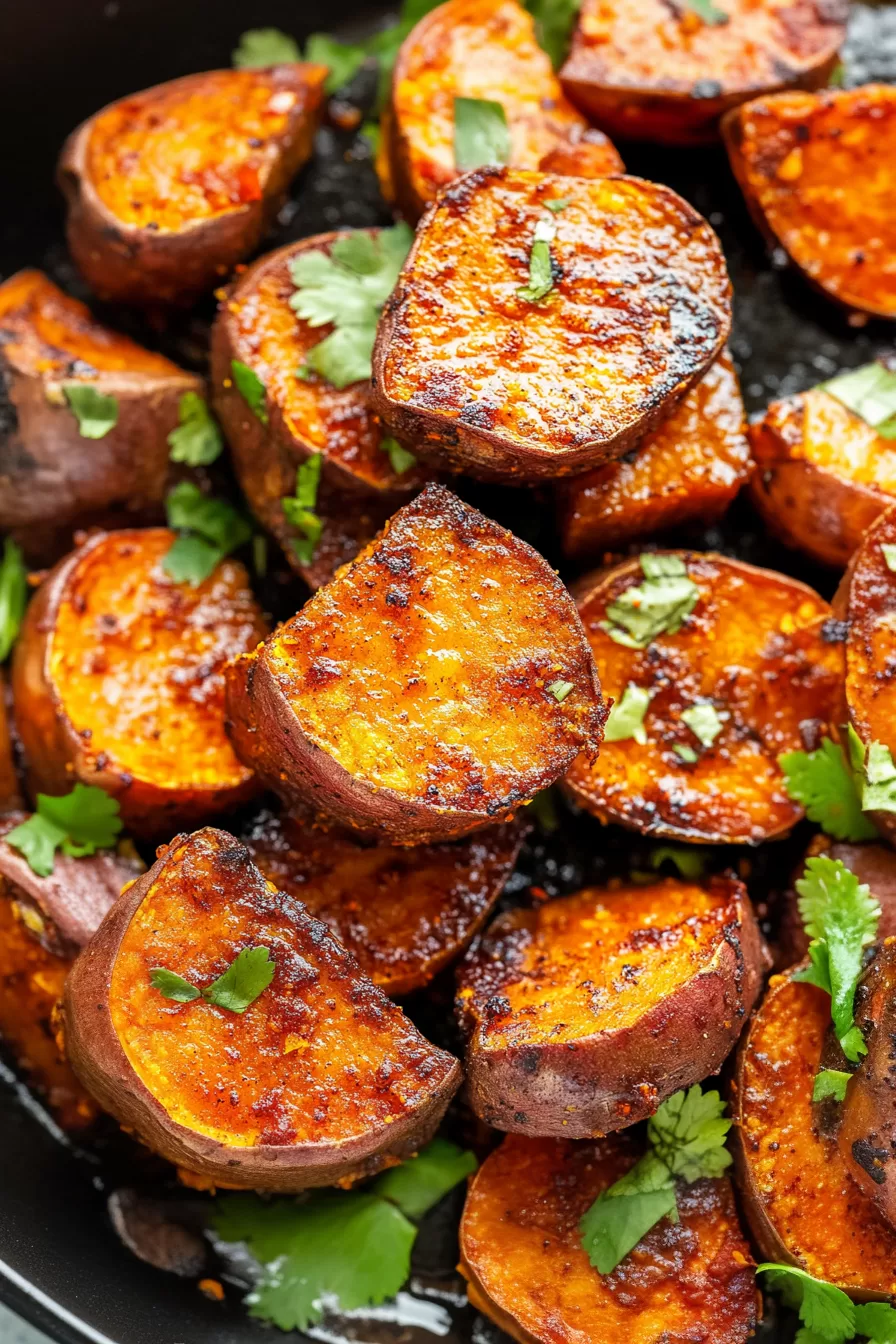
x,y
816,170
320,1079
583,1015
753,654
475,377
483,49
169,188
801,1203
656,72
118,680
52,479
523,1259
872,864
404,913
10,788
432,687
689,468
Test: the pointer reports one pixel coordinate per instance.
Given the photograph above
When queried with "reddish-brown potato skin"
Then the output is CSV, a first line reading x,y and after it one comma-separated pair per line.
x,y
218,881
53,481
476,379
126,259
10,786
690,467
522,1255
650,72
610,1062
816,170
872,864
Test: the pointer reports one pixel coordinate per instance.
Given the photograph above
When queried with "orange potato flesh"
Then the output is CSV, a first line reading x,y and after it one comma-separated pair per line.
x,y
474,377
754,647
653,72
690,467
522,1255
817,172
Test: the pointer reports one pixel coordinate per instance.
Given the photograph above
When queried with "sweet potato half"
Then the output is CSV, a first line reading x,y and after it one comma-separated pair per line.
x,y
663,73
817,171
118,680
753,655
475,377
169,188
802,1204
432,687
405,913
583,1015
484,49
689,468
321,1079
52,479
525,1267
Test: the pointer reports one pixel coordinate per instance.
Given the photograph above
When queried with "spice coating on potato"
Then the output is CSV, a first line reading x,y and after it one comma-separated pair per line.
x,y
320,1079
650,71
483,49
118,680
168,188
690,467
433,686
522,1255
801,1203
753,651
405,913
476,378
584,1014
817,173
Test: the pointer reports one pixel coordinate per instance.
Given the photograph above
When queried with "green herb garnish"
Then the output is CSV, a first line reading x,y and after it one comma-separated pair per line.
x,y
95,412
299,509
13,596
250,388
704,721
559,690
707,11
870,392
481,134
79,823
830,1083
247,976
823,783
209,530
400,459
543,807
828,1316
686,754
889,554
689,860
197,440
558,206
541,275
627,716
554,21
265,46
658,606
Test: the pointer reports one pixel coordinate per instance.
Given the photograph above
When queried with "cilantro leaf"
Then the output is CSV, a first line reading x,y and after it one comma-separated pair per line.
x,y
79,823
704,721
830,1083
95,412
825,786
417,1185
707,11
298,509
37,840
889,554
655,607
559,690
172,985
543,808
190,560
541,275
400,459
870,392
879,780
481,134
688,1134
13,596
627,716
614,1224
197,439
250,388
558,205
689,860
824,1309
877,1320
247,976
686,754
213,529
344,59
265,46
554,21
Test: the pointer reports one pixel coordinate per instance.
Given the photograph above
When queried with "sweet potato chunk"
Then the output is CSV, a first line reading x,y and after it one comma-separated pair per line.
x,y
801,1203
432,687
753,654
169,188
118,680
583,1015
656,72
874,865
484,49
522,1255
324,1078
690,467
404,913
817,171
52,479
475,377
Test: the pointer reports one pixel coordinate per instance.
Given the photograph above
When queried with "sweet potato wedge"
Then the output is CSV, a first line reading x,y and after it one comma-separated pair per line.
x,y
655,72
169,188
753,652
475,377
802,1205
484,49
325,1079
432,687
816,170
404,913
583,1015
874,865
52,479
526,1269
690,467
118,680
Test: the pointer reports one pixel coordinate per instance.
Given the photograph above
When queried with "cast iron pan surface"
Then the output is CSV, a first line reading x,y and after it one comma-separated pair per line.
x,y
61,1263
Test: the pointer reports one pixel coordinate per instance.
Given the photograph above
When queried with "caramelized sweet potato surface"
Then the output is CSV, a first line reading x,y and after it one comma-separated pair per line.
x,y
118,680
753,649
476,378
320,1079
817,171
690,467
412,695
522,1255
405,913
648,71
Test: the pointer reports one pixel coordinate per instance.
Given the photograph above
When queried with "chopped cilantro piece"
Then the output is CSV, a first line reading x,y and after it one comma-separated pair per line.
x,y
554,21
557,206
627,716
298,509
172,985
95,412
209,530
870,392
250,388
13,596
889,553
247,976
541,275
418,1184
265,46
686,754
704,721
343,58
707,11
400,459
559,690
481,134
689,860
79,823
823,783
830,1083
197,440
825,1310
658,606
